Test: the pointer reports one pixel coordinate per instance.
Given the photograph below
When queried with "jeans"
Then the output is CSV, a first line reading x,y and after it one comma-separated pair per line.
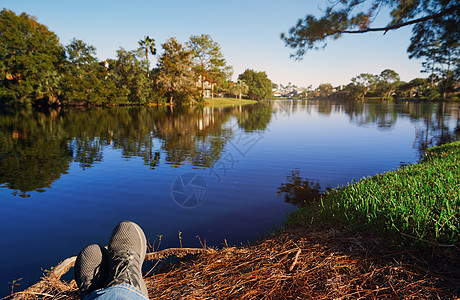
x,y
121,291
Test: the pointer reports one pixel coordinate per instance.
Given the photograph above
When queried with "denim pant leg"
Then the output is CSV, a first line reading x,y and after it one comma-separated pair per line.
x,y
121,291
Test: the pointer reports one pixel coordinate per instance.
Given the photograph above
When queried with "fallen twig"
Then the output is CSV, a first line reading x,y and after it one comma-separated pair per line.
x,y
295,260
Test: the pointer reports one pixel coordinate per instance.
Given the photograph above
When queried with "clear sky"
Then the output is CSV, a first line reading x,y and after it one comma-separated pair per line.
x,y
248,32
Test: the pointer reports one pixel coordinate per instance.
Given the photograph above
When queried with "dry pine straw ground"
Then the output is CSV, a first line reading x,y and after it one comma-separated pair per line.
x,y
297,264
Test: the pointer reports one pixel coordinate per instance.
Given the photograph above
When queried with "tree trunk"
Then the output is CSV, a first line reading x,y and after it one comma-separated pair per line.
x,y
147,57
202,86
212,92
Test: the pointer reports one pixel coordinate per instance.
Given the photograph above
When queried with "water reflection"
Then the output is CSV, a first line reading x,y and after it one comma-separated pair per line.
x,y
300,191
37,147
256,117
432,120
33,154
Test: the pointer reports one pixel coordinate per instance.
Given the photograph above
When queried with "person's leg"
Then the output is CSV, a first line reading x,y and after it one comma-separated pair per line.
x,y
91,269
121,291
116,274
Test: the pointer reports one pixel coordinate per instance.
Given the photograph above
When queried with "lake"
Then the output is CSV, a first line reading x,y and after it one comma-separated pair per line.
x,y
191,175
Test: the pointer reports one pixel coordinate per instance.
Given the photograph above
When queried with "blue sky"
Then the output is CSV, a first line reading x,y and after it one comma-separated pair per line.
x,y
248,32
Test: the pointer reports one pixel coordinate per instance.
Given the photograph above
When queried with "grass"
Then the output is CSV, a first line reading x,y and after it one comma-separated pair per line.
x,y
418,204
227,101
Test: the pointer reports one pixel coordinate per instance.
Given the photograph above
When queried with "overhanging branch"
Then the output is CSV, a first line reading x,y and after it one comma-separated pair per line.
x,y
399,25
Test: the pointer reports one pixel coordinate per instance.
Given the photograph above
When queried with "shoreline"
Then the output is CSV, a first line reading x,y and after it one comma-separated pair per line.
x,y
218,101
319,254
227,101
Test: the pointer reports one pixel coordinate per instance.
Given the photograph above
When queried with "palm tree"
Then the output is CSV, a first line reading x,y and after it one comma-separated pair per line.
x,y
241,88
149,45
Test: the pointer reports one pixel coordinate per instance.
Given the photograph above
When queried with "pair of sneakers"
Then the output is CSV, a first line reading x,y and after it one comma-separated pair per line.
x,y
97,267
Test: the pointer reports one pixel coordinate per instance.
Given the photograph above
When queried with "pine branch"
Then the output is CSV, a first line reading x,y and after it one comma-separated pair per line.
x,y
399,25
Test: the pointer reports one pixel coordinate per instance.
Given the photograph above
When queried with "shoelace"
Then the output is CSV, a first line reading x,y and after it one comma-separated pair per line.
x,y
120,272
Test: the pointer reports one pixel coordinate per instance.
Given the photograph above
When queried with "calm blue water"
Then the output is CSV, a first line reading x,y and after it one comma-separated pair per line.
x,y
69,176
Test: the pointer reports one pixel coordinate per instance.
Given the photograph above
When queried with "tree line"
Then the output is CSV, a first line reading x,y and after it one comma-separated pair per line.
x,y
386,86
37,70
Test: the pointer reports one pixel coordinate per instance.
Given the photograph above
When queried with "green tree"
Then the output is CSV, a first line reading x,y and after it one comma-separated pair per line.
x,y
30,61
387,84
433,19
416,87
309,91
79,53
260,87
85,80
175,76
133,85
324,90
148,45
209,62
442,60
443,65
362,84
240,88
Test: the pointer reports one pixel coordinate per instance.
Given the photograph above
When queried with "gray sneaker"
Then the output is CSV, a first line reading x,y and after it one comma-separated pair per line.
x,y
127,249
91,269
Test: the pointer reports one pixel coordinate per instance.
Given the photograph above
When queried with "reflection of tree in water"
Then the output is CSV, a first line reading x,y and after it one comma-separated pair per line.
x,y
457,128
434,131
33,155
255,117
300,191
364,113
37,147
193,134
86,152
442,133
325,107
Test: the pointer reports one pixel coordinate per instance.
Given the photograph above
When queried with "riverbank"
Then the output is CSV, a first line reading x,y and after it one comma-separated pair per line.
x,y
394,235
227,101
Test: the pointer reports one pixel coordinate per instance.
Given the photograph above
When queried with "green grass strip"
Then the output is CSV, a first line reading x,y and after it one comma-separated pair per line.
x,y
227,101
418,203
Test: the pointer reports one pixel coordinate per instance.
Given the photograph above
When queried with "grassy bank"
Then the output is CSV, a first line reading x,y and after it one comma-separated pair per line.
x,y
418,204
227,101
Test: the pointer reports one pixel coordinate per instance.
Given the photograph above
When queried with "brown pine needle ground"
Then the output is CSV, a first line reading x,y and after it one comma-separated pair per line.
x,y
298,264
